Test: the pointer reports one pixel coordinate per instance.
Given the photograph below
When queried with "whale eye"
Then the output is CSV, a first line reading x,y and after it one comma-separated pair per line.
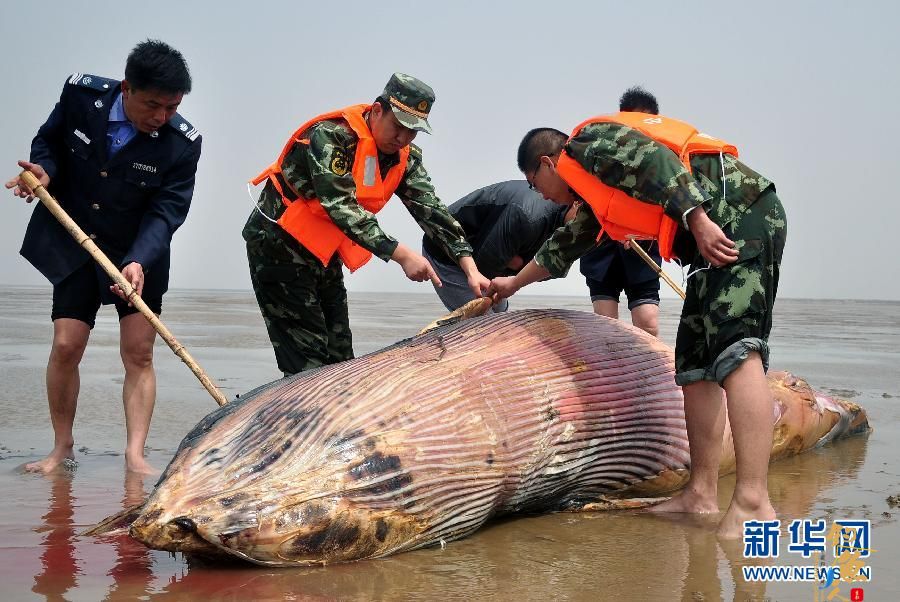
x,y
185,524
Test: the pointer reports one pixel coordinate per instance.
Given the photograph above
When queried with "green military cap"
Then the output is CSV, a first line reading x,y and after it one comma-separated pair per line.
x,y
411,101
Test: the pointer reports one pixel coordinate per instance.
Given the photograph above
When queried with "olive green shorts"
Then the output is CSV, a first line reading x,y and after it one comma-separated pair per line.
x,y
727,312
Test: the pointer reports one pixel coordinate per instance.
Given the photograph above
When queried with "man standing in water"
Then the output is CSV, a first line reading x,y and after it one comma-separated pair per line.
x,y
611,268
121,161
316,214
624,168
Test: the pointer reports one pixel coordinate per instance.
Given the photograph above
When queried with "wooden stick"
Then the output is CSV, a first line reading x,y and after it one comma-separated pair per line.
x,y
656,268
474,308
88,245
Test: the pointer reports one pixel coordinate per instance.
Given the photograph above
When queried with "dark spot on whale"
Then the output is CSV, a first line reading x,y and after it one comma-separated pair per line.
x,y
228,502
382,424
490,458
381,529
336,536
370,443
185,524
375,465
551,414
266,461
301,420
313,512
212,456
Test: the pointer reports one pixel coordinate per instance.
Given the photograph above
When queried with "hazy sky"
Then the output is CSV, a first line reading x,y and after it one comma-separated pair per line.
x,y
788,82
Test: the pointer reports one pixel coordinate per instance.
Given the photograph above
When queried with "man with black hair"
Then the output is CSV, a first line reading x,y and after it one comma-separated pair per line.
x,y
610,268
506,223
628,170
316,214
638,100
121,161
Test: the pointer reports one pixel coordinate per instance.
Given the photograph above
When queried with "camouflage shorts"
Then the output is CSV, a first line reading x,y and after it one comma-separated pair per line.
x,y
303,303
728,311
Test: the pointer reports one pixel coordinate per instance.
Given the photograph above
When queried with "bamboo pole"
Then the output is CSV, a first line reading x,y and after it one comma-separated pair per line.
x,y
88,245
656,268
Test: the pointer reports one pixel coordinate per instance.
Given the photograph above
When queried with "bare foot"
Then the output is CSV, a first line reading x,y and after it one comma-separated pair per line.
x,y
52,461
139,465
688,501
732,525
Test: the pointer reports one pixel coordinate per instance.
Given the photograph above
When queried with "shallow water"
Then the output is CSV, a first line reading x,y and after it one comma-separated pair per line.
x,y
849,348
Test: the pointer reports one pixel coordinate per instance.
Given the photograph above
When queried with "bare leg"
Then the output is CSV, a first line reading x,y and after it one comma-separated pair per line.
x,y
646,317
136,337
607,307
750,412
70,338
704,414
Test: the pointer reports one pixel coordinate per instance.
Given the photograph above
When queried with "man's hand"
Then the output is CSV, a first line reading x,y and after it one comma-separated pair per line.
x,y
714,246
134,274
19,187
414,265
478,283
503,287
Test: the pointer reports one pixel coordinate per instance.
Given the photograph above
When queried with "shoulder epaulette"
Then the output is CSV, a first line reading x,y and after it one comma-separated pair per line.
x,y
187,130
93,82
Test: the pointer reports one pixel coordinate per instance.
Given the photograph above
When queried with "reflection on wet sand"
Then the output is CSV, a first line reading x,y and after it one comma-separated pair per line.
x,y
59,567
133,570
796,482
64,554
635,556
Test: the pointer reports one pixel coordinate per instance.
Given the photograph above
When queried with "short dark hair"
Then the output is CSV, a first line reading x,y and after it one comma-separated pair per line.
x,y
385,104
538,143
638,100
154,65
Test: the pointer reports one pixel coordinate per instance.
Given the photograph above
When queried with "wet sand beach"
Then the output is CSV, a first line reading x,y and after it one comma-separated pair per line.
x,y
845,348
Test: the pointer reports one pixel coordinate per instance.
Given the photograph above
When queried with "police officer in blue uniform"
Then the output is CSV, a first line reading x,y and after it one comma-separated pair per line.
x,y
121,161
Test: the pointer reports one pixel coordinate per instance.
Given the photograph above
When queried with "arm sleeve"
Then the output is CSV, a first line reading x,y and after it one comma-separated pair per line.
x,y
569,242
329,161
641,167
430,213
166,211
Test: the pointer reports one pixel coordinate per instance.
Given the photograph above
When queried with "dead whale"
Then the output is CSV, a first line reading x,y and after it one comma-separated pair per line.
x,y
424,441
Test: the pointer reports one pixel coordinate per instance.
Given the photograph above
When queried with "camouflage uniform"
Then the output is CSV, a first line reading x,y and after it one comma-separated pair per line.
x,y
303,303
728,310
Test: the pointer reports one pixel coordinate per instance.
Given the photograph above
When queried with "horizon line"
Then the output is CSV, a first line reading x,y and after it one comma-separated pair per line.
x,y
518,295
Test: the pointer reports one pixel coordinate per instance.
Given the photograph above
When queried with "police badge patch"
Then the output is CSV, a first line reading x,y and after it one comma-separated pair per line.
x,y
339,163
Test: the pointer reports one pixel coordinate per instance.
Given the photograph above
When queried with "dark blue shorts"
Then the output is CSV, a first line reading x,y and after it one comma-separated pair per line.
x,y
610,269
79,297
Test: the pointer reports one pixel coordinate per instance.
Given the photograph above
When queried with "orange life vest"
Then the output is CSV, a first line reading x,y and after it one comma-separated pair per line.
x,y
622,215
307,221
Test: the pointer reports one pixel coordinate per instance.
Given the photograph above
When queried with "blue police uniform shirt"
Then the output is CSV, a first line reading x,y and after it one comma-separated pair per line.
x,y
132,201
119,130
